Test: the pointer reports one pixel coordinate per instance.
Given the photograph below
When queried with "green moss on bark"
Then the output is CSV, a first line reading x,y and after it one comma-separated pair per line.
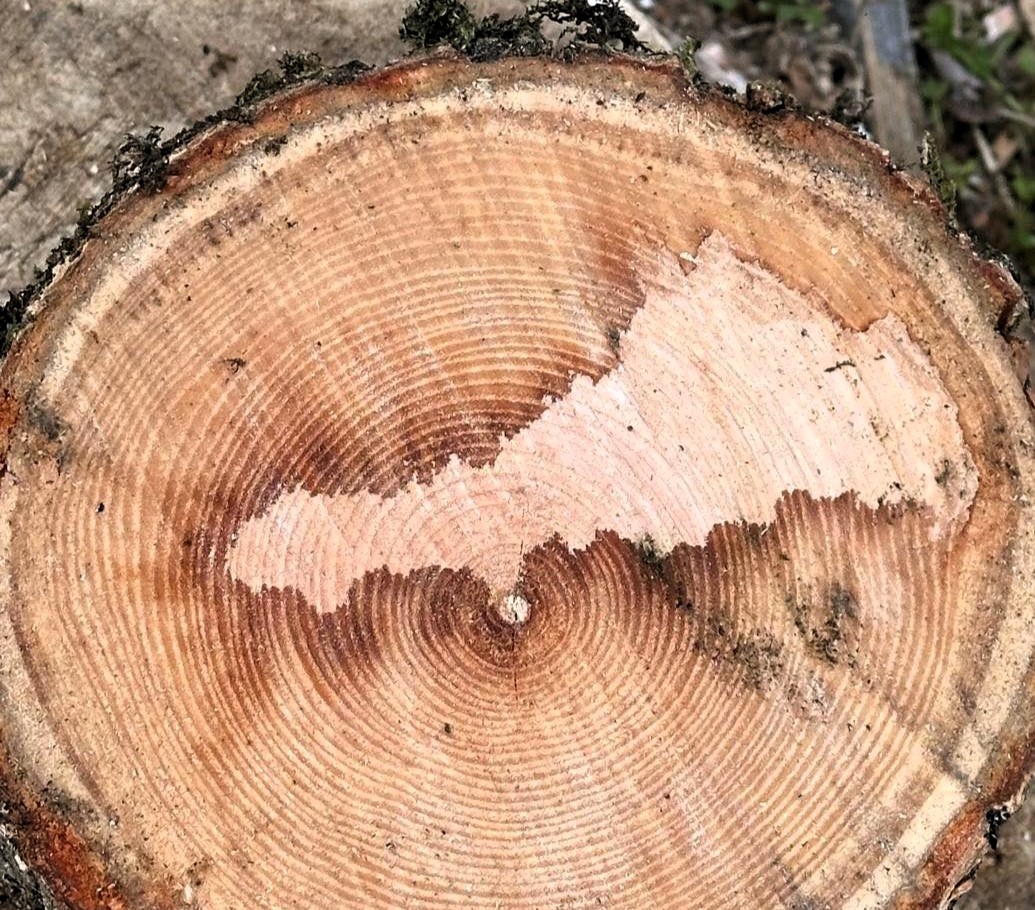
x,y
449,23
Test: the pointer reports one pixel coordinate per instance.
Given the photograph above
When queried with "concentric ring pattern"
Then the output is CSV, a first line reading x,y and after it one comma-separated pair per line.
x,y
524,486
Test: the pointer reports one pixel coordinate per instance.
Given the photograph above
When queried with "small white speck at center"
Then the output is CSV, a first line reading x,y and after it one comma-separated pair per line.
x,y
514,609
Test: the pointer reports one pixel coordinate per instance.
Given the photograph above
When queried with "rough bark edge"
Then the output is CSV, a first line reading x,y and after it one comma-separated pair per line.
x,y
142,169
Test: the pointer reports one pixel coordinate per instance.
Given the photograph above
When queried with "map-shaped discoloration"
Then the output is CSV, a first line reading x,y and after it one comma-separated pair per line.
x,y
731,390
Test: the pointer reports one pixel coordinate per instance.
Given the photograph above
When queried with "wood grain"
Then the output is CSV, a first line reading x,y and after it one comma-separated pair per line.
x,y
528,484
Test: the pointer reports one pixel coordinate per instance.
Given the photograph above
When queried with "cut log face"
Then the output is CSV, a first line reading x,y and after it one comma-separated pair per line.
x,y
516,485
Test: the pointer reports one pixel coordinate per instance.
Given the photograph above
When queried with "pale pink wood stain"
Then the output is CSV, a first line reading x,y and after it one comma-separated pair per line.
x,y
731,390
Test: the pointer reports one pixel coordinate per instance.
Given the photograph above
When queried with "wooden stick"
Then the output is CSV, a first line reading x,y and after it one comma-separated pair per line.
x,y
881,31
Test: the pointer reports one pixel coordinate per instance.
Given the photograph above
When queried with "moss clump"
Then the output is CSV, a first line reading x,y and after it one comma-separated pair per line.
x,y
942,184
260,86
517,37
294,69
603,24
433,23
685,53
141,160
439,23
300,66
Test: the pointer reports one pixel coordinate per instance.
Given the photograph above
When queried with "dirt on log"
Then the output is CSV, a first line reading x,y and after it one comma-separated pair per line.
x,y
518,483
